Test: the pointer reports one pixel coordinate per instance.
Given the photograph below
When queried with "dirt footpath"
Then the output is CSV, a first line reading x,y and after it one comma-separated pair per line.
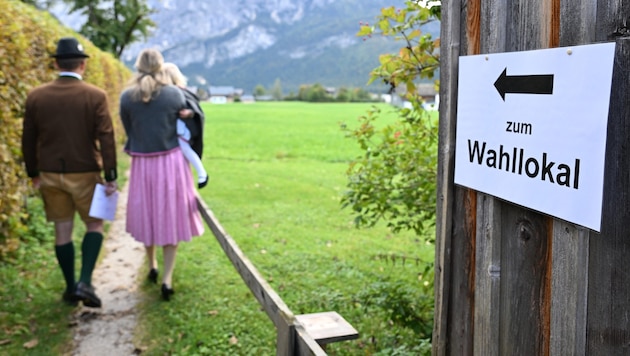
x,y
108,331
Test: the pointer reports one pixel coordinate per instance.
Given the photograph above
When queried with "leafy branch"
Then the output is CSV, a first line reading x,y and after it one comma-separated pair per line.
x,y
394,180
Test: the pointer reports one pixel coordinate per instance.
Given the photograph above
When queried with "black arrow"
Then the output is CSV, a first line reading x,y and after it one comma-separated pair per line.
x,y
524,84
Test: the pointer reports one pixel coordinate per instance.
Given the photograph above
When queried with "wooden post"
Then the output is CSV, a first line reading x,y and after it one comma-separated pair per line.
x,y
449,49
510,280
608,321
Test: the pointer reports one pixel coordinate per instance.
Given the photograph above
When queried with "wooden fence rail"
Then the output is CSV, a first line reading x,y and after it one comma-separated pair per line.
x,y
305,334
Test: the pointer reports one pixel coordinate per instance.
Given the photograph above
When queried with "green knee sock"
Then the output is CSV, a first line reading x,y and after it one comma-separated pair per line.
x,y
65,258
90,249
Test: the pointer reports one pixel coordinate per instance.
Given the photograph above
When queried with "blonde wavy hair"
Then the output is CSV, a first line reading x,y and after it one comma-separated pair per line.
x,y
173,75
149,78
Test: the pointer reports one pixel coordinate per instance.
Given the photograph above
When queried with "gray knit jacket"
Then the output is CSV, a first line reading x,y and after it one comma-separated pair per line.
x,y
151,127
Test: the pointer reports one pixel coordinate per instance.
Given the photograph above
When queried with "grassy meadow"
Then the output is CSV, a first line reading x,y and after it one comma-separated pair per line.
x,y
277,171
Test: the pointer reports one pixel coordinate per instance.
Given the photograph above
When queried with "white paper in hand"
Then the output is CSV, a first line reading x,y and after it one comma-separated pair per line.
x,y
103,206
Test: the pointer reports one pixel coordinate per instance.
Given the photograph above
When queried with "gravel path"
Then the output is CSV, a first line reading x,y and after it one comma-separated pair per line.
x,y
108,331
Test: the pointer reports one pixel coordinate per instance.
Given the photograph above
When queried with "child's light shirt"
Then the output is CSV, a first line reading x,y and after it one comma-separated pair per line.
x,y
182,130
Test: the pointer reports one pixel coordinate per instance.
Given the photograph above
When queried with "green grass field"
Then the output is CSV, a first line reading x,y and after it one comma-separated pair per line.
x,y
277,171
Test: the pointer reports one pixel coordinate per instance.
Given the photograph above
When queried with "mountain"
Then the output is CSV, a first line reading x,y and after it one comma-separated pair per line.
x,y
243,43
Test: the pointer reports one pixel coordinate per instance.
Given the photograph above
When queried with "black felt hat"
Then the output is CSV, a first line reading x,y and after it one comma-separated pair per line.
x,y
69,47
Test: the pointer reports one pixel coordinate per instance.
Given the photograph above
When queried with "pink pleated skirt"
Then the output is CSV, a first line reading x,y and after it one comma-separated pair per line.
x,y
161,206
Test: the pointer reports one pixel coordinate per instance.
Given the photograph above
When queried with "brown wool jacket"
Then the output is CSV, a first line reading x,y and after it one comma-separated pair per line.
x,y
67,128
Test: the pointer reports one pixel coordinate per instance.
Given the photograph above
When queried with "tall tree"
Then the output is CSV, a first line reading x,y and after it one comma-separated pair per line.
x,y
276,90
114,24
259,90
343,95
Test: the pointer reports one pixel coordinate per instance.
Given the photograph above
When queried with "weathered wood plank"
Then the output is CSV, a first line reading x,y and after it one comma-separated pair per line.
x,y
553,22
473,27
608,330
458,260
526,235
327,327
488,274
611,15
570,243
462,263
577,22
493,26
488,254
449,55
608,310
461,310
527,25
517,243
525,282
569,283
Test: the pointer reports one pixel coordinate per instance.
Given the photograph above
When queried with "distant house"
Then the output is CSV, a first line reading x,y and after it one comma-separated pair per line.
x,y
427,91
200,92
223,94
247,99
218,99
263,98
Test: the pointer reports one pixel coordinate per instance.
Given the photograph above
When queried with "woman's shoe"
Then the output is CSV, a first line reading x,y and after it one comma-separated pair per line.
x,y
167,292
202,183
153,275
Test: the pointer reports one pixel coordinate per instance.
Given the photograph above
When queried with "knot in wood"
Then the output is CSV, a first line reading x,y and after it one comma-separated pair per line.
x,y
525,230
623,30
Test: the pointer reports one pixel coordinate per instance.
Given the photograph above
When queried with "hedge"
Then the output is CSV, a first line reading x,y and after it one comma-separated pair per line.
x,y
28,38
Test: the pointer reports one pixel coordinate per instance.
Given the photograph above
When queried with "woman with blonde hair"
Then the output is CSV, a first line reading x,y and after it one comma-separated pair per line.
x,y
190,125
161,206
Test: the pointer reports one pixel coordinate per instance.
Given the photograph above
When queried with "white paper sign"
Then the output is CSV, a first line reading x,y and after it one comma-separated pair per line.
x,y
103,206
531,128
